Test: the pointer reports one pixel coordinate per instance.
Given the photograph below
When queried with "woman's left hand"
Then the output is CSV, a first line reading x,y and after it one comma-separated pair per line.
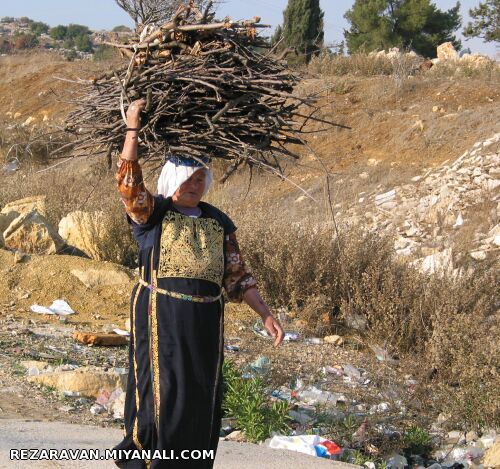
x,y
274,328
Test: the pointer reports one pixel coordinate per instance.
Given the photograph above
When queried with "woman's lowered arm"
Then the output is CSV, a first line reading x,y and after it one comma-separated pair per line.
x,y
240,285
138,201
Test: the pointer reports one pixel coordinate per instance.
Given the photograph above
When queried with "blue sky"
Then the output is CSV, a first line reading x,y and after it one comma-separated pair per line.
x,y
105,14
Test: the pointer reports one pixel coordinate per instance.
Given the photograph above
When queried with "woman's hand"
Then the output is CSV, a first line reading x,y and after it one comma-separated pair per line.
x,y
134,112
274,328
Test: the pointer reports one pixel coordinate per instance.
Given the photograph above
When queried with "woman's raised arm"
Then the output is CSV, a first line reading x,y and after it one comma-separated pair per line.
x,y
138,201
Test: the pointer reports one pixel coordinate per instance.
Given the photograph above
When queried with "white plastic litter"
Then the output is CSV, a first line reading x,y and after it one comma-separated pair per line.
x,y
121,332
59,307
307,444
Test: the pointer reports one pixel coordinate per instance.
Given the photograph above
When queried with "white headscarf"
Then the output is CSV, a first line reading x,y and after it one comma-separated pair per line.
x,y
178,170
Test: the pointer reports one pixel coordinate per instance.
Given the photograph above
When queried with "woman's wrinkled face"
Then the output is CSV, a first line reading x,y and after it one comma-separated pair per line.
x,y
190,192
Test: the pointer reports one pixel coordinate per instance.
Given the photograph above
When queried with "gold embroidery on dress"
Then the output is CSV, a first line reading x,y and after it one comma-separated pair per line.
x,y
154,346
191,248
135,434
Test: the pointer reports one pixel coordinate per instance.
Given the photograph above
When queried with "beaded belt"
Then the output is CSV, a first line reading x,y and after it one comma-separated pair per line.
x,y
182,296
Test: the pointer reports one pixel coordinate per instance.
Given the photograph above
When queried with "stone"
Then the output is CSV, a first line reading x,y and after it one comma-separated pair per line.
x,y
459,221
237,435
85,230
117,409
385,197
446,51
455,437
440,262
389,205
35,367
32,233
92,278
478,255
334,339
492,456
471,436
27,205
88,381
91,338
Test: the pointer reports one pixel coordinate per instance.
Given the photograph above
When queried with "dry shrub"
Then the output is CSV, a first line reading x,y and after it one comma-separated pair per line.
x,y
488,70
444,329
357,64
29,146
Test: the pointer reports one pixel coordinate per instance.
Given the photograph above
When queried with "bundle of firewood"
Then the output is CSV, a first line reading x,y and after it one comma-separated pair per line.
x,y
210,90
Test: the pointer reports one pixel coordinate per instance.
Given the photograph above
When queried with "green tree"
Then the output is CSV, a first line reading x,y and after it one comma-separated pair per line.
x,y
25,41
121,29
486,21
69,43
415,24
277,36
58,32
83,43
5,45
75,30
38,28
303,26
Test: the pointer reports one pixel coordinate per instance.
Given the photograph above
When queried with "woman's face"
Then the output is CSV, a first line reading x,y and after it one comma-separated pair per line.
x,y
190,192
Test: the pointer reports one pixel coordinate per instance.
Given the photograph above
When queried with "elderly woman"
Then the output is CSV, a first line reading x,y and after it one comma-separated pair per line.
x,y
188,252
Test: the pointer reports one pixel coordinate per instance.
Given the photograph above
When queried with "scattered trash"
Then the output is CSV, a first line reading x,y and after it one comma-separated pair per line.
x,y
97,409
121,332
304,416
379,408
232,348
59,307
260,331
106,399
313,340
71,393
397,462
291,336
67,408
260,365
312,395
382,354
333,370
11,166
314,445
283,393
351,373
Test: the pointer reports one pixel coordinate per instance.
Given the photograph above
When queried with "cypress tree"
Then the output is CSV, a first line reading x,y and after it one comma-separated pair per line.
x,y
303,26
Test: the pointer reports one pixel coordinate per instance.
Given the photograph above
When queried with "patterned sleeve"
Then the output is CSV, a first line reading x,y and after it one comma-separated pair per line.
x,y
237,278
138,201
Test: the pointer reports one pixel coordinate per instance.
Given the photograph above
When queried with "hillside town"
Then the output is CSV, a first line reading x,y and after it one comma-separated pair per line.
x,y
73,41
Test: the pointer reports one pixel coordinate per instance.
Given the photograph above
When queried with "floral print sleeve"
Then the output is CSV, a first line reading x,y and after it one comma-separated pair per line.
x,y
237,278
138,201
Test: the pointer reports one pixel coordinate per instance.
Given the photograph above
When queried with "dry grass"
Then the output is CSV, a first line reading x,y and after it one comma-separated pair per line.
x,y
443,328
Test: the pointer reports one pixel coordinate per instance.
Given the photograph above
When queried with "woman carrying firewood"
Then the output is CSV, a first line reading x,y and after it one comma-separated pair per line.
x,y
188,252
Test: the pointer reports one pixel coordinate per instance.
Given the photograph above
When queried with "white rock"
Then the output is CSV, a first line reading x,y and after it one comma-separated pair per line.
x,y
478,255
385,197
459,221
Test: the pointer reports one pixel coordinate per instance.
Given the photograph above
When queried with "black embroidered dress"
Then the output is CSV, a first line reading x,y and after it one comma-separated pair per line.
x,y
174,389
